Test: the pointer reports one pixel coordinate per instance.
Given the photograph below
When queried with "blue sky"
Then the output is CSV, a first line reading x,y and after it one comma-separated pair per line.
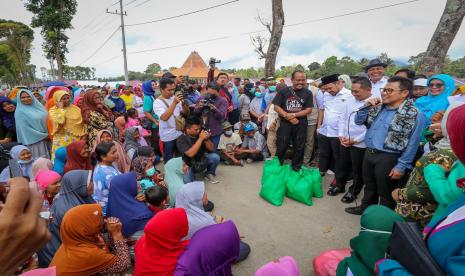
x,y
400,31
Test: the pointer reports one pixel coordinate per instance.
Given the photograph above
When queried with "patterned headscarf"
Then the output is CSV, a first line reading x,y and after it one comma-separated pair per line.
x,y
140,163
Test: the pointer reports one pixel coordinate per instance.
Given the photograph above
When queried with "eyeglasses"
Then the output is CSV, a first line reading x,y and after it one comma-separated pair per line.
x,y
389,90
435,85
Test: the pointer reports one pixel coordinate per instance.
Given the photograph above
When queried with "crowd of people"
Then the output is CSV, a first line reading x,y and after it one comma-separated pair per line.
x,y
94,156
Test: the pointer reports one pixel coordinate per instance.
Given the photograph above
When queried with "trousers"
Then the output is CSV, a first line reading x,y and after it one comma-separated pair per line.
x,y
378,185
309,144
350,160
298,133
329,152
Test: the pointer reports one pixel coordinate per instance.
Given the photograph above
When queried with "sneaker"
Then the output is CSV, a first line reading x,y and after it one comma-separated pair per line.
x,y
212,179
249,160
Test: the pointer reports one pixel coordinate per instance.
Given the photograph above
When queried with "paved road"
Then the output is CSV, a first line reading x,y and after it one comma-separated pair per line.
x,y
291,229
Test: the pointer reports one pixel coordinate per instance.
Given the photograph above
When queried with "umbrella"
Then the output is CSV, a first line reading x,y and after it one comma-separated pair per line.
x,y
54,83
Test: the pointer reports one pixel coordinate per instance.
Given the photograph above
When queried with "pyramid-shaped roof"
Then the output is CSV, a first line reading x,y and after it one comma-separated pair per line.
x,y
194,67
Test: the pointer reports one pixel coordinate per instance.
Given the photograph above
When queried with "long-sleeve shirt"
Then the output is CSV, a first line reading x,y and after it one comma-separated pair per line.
x,y
348,127
123,259
378,131
376,87
215,117
333,106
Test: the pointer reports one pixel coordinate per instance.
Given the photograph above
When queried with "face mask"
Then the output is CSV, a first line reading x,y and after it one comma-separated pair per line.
x,y
258,94
272,88
150,172
24,161
115,97
228,133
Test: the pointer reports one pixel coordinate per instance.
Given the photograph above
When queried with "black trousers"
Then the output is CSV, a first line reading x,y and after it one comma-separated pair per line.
x,y
328,152
298,134
350,160
155,141
378,184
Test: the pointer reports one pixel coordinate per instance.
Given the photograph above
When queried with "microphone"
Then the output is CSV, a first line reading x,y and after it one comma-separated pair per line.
x,y
365,106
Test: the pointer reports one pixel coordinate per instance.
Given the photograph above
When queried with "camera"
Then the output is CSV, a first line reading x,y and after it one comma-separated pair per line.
x,y
206,103
213,61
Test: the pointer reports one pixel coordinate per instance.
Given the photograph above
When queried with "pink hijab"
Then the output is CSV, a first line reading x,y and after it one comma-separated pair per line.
x,y
285,266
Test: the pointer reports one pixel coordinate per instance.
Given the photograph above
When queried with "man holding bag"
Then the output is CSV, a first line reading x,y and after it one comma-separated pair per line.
x,y
293,104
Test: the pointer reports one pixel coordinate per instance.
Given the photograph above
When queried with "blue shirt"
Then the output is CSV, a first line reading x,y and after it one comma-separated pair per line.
x,y
378,131
193,98
102,177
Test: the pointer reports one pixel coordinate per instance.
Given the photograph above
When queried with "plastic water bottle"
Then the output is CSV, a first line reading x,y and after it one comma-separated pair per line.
x,y
45,214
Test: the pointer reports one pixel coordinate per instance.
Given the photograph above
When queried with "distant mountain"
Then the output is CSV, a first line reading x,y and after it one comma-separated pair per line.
x,y
401,63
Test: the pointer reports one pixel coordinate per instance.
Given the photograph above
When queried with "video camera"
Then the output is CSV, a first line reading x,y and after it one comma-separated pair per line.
x,y
213,61
206,103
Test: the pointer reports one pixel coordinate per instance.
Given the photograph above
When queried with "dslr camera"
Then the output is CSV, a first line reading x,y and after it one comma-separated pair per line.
x,y
213,61
206,104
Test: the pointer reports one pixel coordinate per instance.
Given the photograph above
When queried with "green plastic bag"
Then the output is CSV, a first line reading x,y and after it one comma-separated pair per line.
x,y
304,185
273,182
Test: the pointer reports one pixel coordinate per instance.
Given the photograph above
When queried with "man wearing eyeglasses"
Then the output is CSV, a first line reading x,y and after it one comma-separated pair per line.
x,y
375,71
394,127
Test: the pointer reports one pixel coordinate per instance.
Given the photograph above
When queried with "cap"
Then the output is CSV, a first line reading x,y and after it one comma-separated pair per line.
x,y
225,125
245,116
420,82
168,75
248,127
375,62
329,79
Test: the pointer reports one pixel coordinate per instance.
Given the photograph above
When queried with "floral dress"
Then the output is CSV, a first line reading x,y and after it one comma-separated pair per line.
x,y
97,122
62,136
416,202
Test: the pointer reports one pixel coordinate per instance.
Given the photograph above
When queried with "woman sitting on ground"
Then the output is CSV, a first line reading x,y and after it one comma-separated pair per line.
x,y
41,164
84,251
122,204
211,251
60,160
23,156
76,189
123,164
158,250
104,172
145,171
131,141
77,157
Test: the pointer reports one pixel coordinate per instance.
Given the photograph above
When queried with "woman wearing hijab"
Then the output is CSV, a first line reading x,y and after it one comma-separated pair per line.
x,y
123,164
14,93
120,106
346,80
77,157
23,156
83,251
416,202
41,164
370,244
192,197
148,88
440,87
159,249
50,102
122,204
211,251
245,98
96,115
76,189
138,102
67,122
7,116
60,160
284,266
445,241
49,185
131,141
174,177
145,171
256,105
31,124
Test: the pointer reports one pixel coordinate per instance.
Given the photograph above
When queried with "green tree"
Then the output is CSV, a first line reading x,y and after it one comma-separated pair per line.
x,y
314,66
9,70
152,69
18,37
54,18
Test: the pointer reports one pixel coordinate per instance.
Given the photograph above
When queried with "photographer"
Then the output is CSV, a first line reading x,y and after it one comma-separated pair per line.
x,y
198,151
214,110
222,80
168,107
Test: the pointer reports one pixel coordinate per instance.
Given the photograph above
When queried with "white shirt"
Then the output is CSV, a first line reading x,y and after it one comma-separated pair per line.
x,y
346,128
376,87
319,99
333,107
168,130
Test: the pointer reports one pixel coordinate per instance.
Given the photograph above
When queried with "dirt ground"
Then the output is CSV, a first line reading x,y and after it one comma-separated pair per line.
x,y
292,229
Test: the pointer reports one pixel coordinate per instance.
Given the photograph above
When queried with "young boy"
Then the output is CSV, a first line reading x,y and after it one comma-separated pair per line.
x,y
228,145
254,146
157,197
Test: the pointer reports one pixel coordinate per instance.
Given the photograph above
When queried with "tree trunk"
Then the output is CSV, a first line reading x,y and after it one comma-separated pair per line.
x,y
446,30
275,39
57,48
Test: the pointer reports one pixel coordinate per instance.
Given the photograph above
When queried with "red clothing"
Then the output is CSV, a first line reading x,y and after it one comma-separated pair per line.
x,y
225,94
74,160
157,252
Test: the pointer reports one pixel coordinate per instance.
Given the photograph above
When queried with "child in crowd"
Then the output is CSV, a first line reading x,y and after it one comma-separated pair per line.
x,y
228,145
254,145
145,170
157,197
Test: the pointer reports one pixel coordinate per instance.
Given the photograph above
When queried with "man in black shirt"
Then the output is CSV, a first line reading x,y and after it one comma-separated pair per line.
x,y
198,151
293,104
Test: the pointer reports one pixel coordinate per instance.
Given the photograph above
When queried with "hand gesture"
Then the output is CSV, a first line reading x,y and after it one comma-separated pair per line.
x,y
373,101
204,135
114,226
294,121
22,230
230,108
213,107
395,174
59,104
178,98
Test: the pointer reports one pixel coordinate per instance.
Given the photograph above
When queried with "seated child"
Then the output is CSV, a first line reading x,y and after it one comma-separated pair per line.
x,y
228,145
157,197
254,145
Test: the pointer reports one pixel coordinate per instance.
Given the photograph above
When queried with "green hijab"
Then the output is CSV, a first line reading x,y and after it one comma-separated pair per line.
x,y
370,245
